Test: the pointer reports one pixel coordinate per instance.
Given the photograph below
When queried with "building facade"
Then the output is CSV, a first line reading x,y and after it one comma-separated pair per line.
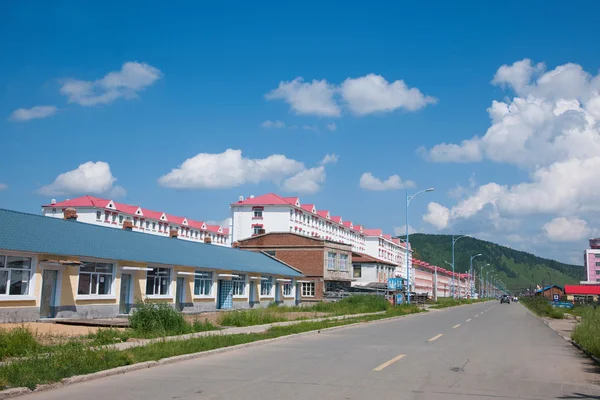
x,y
367,269
102,212
326,265
591,261
273,213
53,268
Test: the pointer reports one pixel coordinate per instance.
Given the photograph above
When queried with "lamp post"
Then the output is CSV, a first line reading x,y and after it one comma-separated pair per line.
x,y
481,280
408,200
453,242
471,269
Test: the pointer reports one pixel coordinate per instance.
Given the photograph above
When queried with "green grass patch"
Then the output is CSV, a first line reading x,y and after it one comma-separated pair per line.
x,y
587,332
250,317
77,359
17,342
541,307
445,302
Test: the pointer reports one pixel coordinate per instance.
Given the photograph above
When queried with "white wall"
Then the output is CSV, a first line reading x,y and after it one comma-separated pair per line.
x,y
368,274
275,219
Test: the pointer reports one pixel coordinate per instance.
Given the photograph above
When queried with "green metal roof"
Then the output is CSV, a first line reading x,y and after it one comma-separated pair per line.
x,y
39,234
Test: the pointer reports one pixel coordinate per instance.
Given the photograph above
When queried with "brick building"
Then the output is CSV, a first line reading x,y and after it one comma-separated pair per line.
x,y
326,265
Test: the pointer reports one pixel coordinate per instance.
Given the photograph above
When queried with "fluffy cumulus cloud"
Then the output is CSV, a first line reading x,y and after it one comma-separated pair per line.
x,y
37,112
361,96
564,229
373,94
401,230
230,169
370,182
551,130
314,98
126,83
91,177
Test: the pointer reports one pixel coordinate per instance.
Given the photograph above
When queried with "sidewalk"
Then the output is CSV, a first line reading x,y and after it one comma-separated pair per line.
x,y
231,331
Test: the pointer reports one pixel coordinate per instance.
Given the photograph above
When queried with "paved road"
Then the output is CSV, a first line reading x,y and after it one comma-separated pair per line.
x,y
481,351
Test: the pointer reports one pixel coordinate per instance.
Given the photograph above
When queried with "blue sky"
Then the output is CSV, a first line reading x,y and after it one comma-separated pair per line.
x,y
145,86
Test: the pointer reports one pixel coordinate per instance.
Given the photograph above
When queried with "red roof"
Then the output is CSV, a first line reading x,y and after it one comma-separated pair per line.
x,y
387,236
582,289
174,219
347,223
336,219
151,214
292,200
372,232
266,199
364,258
307,207
357,227
126,208
322,213
83,201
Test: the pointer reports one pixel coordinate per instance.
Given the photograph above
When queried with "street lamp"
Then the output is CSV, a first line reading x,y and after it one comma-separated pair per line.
x,y
453,242
408,200
481,280
471,270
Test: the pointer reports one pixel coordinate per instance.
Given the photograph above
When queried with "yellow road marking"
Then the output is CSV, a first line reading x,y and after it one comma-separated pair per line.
x,y
436,337
456,326
390,362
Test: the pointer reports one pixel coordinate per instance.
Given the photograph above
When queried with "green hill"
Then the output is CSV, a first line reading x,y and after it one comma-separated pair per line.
x,y
517,269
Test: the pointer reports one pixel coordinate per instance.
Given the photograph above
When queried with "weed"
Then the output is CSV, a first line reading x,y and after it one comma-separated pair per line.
x,y
542,307
587,333
158,319
250,317
17,342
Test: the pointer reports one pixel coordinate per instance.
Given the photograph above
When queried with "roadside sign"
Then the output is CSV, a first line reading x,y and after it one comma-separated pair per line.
x,y
563,304
395,283
556,297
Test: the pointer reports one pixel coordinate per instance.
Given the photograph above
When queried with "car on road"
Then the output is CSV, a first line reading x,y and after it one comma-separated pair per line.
x,y
504,299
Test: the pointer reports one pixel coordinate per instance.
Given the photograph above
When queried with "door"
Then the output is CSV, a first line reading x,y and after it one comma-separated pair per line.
x,y
179,294
277,292
225,294
48,300
125,294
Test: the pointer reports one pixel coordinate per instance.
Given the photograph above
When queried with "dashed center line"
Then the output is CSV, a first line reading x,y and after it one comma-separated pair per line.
x,y
456,326
468,319
477,316
390,362
436,337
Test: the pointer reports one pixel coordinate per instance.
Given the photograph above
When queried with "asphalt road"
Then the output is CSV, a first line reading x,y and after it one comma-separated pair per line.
x,y
482,351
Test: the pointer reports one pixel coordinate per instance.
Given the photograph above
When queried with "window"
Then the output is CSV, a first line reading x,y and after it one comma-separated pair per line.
x,y
597,263
158,281
343,262
258,213
203,284
271,252
266,286
114,218
357,273
95,278
106,215
257,229
331,261
239,285
308,289
120,219
287,289
15,273
147,224
154,226
597,255
98,214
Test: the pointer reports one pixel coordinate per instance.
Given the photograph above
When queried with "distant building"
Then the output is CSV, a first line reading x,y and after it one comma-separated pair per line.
x,y
271,213
367,269
325,264
591,261
550,292
96,211
582,293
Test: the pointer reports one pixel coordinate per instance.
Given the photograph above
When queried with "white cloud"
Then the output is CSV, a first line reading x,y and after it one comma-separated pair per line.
x,y
467,151
567,229
37,112
224,223
312,128
307,181
401,230
314,98
273,124
370,182
364,95
89,178
517,75
437,215
131,79
373,93
333,127
329,159
229,169
3,186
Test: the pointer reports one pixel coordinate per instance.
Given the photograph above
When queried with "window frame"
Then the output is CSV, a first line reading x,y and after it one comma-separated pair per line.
x,y
329,258
240,281
345,266
30,295
169,294
113,274
257,213
308,285
268,281
354,269
201,278
289,285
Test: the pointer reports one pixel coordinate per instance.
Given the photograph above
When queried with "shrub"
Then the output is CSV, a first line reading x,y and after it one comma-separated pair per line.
x,y
542,307
158,319
17,342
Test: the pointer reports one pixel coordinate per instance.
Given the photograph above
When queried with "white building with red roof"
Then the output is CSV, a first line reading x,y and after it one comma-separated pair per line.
x,y
273,213
96,211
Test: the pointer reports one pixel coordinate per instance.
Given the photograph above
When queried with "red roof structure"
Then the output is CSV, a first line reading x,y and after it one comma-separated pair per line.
x,y
582,289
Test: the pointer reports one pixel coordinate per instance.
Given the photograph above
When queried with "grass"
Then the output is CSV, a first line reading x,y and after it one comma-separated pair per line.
x,y
587,333
445,302
541,307
77,358
250,317
17,342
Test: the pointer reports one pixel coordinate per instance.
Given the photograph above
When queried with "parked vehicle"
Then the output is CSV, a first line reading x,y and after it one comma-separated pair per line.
x,y
505,299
